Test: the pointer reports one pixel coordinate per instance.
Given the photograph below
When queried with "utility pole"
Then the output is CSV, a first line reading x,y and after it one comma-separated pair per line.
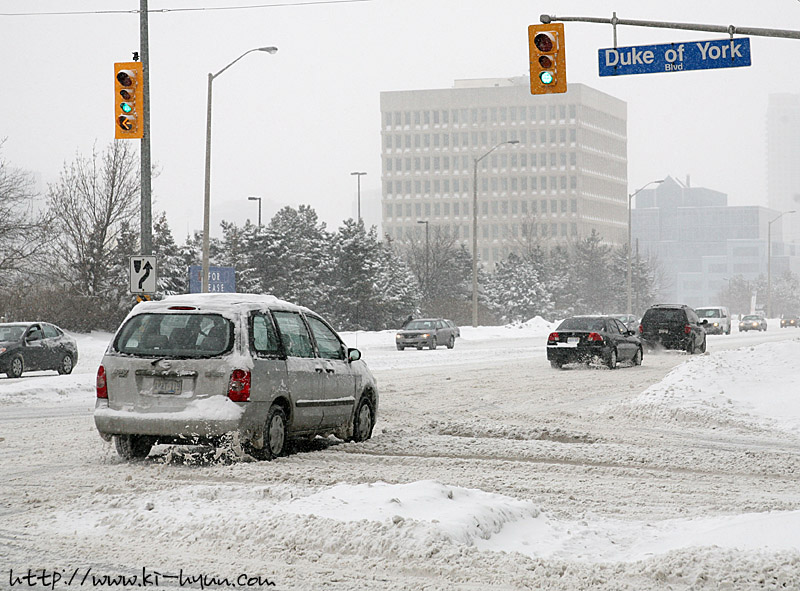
x,y
144,156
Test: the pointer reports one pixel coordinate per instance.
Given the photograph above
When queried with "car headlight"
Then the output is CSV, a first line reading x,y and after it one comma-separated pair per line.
x,y
716,324
426,335
398,336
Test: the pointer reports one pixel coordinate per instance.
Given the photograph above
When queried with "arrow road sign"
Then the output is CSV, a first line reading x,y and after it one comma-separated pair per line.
x,y
143,274
674,57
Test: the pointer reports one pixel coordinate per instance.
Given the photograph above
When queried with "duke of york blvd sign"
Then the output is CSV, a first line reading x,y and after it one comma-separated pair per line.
x,y
674,57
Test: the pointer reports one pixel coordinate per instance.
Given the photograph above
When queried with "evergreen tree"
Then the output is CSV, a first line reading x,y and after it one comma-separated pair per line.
x,y
516,292
172,276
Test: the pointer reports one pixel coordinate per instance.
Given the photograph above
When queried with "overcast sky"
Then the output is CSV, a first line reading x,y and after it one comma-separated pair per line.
x,y
292,126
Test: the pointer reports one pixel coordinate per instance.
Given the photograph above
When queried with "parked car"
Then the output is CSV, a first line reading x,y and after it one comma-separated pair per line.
x,y
629,320
673,326
790,320
427,332
31,346
752,322
582,339
192,369
719,319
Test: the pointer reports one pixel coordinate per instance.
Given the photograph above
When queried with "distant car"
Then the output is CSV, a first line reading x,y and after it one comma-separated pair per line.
x,y
673,326
752,322
193,369
427,332
629,320
31,346
719,319
582,339
790,320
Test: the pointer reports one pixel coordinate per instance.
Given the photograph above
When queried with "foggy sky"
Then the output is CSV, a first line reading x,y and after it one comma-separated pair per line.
x,y
291,127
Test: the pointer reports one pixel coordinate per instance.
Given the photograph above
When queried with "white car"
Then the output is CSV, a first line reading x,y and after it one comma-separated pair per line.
x,y
194,368
719,319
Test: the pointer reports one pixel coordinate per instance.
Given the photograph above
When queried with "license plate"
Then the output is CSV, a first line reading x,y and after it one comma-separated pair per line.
x,y
163,386
573,340
663,331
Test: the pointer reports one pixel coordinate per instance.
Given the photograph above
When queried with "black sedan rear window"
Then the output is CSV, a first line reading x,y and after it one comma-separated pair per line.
x,y
590,324
175,335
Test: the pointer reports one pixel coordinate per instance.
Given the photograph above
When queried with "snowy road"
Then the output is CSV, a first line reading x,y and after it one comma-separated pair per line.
x,y
487,470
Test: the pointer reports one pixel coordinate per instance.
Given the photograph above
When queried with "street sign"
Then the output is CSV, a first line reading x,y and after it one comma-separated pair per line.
x,y
220,279
143,274
674,57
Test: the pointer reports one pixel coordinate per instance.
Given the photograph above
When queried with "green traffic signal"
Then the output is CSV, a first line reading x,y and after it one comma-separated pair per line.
x,y
546,77
126,107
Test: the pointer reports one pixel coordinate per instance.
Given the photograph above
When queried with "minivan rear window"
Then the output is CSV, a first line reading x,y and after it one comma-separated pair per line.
x,y
184,336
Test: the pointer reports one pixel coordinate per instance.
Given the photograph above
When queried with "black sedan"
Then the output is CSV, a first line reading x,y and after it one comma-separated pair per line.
x,y
30,346
583,339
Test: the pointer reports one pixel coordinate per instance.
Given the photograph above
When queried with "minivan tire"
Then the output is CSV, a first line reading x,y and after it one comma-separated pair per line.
x,y
274,433
363,420
133,447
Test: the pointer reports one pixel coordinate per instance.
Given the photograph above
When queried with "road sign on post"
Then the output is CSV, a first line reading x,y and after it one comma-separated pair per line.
x,y
143,274
674,57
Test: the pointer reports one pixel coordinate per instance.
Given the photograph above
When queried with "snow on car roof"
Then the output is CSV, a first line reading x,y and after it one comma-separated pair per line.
x,y
218,302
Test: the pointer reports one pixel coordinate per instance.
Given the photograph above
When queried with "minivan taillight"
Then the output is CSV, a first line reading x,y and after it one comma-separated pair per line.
x,y
687,329
239,386
102,387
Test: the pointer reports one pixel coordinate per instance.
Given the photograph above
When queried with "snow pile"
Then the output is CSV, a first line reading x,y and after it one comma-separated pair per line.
x,y
412,519
748,385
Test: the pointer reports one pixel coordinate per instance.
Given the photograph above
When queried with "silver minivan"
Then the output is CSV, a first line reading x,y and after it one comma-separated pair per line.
x,y
192,369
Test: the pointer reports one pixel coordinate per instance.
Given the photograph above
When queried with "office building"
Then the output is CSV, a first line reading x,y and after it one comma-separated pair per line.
x,y
783,155
565,176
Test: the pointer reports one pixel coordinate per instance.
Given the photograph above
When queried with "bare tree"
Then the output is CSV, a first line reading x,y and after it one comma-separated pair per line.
x,y
23,230
90,204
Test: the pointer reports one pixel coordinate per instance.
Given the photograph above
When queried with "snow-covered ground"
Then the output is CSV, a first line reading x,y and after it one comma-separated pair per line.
x,y
487,469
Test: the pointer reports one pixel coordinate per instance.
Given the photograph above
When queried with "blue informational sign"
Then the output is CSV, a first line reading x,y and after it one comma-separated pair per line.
x,y
674,57
220,279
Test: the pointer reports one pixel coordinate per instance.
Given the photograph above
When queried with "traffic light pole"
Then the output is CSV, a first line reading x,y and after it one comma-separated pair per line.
x,y
146,207
730,29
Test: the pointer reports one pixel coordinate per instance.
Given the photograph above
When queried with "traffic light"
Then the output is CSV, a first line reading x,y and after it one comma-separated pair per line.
x,y
128,89
546,44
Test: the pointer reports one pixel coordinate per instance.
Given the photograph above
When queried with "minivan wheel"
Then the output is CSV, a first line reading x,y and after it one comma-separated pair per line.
x,y
363,421
274,433
65,367
15,369
690,347
555,364
133,447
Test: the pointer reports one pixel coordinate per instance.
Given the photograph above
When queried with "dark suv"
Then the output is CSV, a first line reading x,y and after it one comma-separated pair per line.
x,y
673,326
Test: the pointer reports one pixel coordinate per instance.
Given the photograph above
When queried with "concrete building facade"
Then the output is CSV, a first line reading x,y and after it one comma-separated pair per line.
x,y
566,176
700,242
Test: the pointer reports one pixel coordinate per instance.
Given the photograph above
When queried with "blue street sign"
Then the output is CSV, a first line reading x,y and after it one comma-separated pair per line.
x,y
220,279
675,57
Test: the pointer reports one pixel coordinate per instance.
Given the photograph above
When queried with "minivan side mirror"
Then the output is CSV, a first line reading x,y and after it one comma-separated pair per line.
x,y
353,354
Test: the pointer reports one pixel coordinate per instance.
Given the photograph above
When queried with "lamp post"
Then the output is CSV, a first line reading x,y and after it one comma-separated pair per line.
x,y
769,261
259,208
358,176
475,229
207,200
630,201
427,274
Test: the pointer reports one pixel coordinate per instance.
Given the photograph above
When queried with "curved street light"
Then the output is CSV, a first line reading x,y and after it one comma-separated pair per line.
x,y
475,230
769,261
207,199
630,201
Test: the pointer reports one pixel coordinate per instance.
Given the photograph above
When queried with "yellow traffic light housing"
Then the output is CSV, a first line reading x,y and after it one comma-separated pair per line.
x,y
547,50
128,88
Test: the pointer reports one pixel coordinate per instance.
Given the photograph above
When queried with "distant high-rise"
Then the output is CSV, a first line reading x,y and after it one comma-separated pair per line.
x,y
565,176
783,161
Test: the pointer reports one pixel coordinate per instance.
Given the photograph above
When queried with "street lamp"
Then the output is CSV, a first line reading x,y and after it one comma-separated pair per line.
x,y
207,200
427,274
630,201
475,229
769,261
259,208
358,175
